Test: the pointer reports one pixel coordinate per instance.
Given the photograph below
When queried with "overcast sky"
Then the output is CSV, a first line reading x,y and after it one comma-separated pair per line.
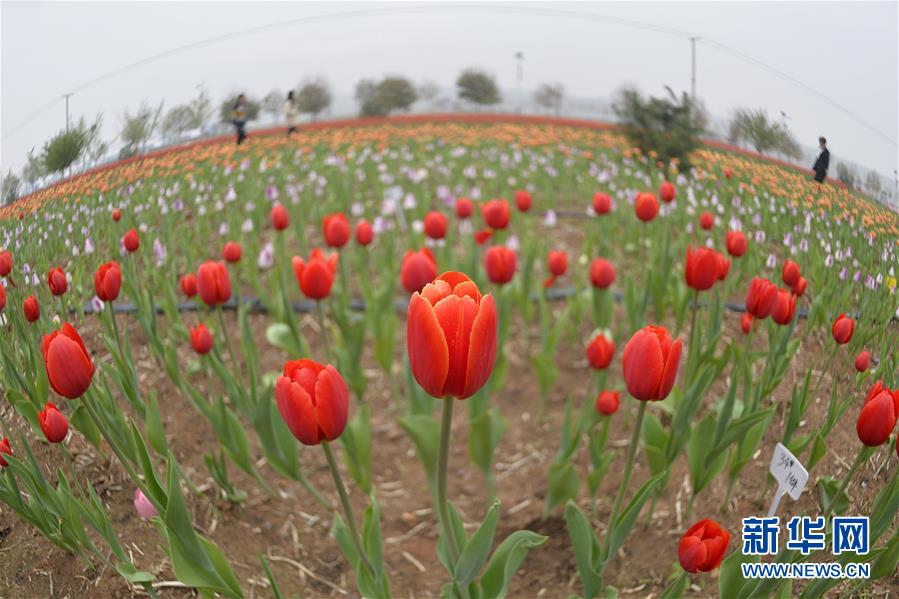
x,y
848,51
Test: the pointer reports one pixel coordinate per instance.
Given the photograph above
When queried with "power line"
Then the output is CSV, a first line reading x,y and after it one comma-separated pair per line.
x,y
484,8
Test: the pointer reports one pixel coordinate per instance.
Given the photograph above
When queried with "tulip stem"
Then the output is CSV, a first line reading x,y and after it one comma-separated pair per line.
x,y
442,466
221,317
347,509
628,468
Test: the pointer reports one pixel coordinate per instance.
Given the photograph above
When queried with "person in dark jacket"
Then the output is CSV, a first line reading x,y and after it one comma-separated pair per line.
x,y
823,161
239,118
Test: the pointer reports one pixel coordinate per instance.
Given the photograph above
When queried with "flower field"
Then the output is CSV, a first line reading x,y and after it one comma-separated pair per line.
x,y
460,356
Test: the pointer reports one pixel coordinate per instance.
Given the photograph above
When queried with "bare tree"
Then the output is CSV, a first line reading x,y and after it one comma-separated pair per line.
x,y
137,129
765,135
549,96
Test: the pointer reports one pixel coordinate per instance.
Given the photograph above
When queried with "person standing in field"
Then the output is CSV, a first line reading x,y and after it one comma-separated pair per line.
x,y
291,113
239,118
823,161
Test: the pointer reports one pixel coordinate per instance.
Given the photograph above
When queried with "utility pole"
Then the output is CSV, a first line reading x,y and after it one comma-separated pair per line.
x,y
67,96
519,76
693,72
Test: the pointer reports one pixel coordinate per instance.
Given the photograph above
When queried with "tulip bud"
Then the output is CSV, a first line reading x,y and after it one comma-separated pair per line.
x,y
213,283
464,208
496,214
69,366
863,361
735,243
5,263
144,507
799,288
2,297
650,362
4,449
557,263
667,192
116,215
646,206
500,263
278,217
602,273
523,200
315,277
607,403
417,269
200,339
600,351
231,252
451,335
747,322
131,240
108,281
188,284
336,230
602,203
56,280
53,423
313,400
877,419
703,546
842,329
761,297
706,220
364,233
32,308
784,308
790,273
701,269
435,225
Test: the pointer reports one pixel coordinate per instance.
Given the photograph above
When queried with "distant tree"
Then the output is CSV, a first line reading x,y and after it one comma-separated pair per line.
x,y
34,168
550,96
9,189
137,129
272,103
873,184
66,147
429,92
390,94
227,106
765,135
847,175
668,125
185,117
314,96
477,87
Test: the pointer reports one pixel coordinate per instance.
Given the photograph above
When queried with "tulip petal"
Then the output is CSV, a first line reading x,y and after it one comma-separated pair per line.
x,y
331,403
669,374
295,407
456,316
427,347
692,553
642,365
481,347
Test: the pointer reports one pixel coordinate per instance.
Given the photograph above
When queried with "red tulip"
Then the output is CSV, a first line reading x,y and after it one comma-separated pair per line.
x,y
435,225
213,283
650,361
736,243
877,419
799,288
500,263
313,400
703,546
602,203
557,263
108,281
701,269
188,284
116,214
364,233
131,240
315,277
336,230
784,307
5,449
53,423
667,192
728,172
875,390
761,297
791,273
602,273
607,403
278,217
5,263
231,252
646,206
496,214
723,266
600,351
56,280
32,308
842,329
747,322
200,339
451,336
69,366
863,361
706,220
417,269
2,297
523,200
464,207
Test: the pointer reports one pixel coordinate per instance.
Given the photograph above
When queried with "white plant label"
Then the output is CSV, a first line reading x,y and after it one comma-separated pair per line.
x,y
789,473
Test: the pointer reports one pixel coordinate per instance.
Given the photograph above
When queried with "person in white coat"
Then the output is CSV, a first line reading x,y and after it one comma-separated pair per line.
x,y
291,113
